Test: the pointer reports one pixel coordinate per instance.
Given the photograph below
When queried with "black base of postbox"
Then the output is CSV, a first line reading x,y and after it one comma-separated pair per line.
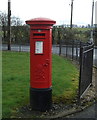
x,y
41,99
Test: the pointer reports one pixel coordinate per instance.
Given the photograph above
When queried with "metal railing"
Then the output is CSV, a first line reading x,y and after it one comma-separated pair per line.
x,y
86,67
83,53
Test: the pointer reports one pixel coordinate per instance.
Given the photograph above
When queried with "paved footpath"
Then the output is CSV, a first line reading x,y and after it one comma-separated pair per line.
x,y
90,112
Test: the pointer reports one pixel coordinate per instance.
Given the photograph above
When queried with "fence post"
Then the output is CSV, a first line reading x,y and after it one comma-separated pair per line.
x,y
72,49
80,63
92,62
80,51
66,50
60,46
59,43
76,50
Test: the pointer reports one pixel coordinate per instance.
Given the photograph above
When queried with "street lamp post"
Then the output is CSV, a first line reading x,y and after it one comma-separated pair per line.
x,y
9,25
71,13
91,38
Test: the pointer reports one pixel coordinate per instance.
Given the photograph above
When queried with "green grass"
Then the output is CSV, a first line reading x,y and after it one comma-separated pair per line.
x,y
65,80
15,81
83,29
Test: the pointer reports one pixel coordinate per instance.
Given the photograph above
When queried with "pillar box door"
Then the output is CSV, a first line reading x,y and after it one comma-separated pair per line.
x,y
40,63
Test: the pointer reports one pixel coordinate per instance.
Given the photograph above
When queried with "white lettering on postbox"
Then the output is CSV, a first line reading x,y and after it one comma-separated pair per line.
x,y
39,47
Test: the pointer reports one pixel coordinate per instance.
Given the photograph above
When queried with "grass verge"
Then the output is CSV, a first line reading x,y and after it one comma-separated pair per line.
x,y
15,81
65,80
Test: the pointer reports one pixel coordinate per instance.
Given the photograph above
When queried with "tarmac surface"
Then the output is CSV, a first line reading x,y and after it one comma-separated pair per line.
x,y
89,112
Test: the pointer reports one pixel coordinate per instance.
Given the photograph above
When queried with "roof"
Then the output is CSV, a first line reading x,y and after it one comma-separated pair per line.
x,y
40,20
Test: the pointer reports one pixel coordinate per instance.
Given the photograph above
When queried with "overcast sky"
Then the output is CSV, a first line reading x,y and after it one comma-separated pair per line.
x,y
58,10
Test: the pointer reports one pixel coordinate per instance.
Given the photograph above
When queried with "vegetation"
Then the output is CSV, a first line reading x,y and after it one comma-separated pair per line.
x,y
67,34
65,80
15,78
20,32
15,81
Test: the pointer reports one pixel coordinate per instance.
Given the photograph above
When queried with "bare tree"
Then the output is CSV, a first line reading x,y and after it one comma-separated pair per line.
x,y
3,24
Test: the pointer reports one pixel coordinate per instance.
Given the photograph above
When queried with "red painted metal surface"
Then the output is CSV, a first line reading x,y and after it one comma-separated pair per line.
x,y
40,52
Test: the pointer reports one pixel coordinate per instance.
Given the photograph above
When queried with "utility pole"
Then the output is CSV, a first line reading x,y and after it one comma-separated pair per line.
x,y
91,38
9,25
71,13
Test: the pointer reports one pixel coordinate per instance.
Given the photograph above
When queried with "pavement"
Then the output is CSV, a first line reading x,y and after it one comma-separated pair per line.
x,y
86,113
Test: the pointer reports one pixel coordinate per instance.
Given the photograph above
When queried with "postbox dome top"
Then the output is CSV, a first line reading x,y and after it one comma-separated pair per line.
x,y
40,20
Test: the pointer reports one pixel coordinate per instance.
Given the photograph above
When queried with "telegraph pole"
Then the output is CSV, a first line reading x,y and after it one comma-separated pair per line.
x,y
91,39
9,25
71,13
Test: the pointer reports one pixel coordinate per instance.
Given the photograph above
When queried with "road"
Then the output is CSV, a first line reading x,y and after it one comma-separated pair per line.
x,y
63,51
55,50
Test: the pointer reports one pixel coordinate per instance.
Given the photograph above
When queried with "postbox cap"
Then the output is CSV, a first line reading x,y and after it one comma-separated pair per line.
x,y
40,21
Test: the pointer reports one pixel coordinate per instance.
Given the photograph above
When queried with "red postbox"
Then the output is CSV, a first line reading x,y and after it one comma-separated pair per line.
x,y
40,63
